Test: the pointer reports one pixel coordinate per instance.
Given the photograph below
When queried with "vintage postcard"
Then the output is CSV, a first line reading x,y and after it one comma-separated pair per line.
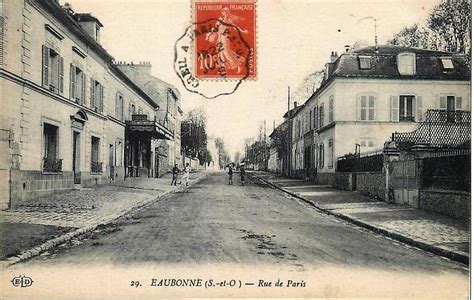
x,y
235,149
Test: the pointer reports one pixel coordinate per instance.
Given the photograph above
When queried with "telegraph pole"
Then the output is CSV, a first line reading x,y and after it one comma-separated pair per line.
x,y
289,134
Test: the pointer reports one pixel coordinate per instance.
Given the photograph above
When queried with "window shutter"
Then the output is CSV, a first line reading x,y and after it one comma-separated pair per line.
x,y
419,109
92,94
443,102
72,87
83,88
322,115
458,103
101,101
394,109
358,108
45,66
61,75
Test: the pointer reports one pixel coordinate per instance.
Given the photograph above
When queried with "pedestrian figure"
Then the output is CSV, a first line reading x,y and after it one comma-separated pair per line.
x,y
175,172
242,175
185,176
231,171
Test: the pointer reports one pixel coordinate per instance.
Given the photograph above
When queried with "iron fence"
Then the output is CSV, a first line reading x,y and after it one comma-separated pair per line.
x,y
355,163
53,165
447,173
96,167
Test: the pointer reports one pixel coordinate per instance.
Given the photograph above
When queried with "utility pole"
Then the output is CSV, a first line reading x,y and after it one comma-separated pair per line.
x,y
289,134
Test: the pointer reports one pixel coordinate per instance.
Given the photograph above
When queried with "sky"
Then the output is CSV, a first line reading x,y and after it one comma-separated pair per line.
x,y
294,39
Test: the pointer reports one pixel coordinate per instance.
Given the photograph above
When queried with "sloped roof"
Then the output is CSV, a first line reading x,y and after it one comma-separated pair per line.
x,y
384,64
293,111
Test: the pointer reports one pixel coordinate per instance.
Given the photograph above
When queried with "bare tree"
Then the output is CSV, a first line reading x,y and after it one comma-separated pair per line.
x,y
308,86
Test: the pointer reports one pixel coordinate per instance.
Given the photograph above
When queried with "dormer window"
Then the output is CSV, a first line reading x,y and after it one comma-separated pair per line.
x,y
406,63
447,63
364,63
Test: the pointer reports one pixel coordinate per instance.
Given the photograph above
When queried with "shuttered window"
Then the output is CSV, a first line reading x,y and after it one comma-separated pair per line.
x,y
77,85
119,106
366,108
96,96
52,70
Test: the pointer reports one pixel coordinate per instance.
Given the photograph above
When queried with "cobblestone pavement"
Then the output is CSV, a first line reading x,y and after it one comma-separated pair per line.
x,y
87,206
427,227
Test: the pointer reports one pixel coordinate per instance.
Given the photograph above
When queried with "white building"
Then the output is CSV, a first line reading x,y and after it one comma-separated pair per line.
x,y
368,94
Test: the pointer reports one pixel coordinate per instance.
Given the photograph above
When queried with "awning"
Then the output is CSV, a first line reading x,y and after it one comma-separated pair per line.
x,y
149,129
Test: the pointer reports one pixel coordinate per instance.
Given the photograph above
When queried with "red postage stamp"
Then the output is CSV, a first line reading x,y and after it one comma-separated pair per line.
x,y
225,39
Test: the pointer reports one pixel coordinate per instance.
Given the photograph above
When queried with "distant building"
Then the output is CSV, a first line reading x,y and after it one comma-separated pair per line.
x,y
368,94
69,115
169,113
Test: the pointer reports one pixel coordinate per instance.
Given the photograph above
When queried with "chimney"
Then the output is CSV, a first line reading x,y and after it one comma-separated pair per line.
x,y
68,8
295,104
333,57
347,48
143,67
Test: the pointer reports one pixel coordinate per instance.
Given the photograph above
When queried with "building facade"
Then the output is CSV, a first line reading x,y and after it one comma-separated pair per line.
x,y
66,106
370,93
169,113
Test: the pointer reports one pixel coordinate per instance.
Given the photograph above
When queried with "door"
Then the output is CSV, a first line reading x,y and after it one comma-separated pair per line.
x,y
157,163
404,182
111,161
76,157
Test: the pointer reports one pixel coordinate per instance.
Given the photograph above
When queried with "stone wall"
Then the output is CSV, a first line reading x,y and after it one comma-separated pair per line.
x,y
371,184
451,203
28,185
343,181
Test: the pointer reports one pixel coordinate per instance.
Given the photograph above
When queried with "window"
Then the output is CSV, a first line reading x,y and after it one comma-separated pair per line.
x,y
447,63
96,166
331,109
97,96
78,85
330,153
53,70
321,116
321,155
451,104
406,108
366,108
51,163
367,145
310,119
406,63
364,62
119,106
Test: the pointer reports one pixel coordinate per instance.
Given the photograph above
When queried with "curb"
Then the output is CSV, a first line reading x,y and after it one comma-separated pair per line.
x,y
48,245
458,257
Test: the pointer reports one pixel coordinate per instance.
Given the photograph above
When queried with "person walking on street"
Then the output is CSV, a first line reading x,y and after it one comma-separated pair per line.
x,y
175,172
185,177
231,172
242,175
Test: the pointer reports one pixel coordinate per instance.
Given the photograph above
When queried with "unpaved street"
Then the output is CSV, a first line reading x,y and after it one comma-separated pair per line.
x,y
213,222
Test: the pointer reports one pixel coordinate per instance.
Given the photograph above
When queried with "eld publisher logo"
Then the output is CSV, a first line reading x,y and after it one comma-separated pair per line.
x,y
22,281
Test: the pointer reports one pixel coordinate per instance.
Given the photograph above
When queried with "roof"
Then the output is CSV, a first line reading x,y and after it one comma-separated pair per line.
x,y
282,126
69,22
87,17
293,111
384,64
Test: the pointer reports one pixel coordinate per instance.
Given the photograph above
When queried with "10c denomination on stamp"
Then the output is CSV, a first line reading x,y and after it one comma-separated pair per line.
x,y
227,49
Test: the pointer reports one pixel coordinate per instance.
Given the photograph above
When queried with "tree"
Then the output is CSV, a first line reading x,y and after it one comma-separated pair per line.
x,y
224,158
448,28
308,86
414,36
451,22
194,135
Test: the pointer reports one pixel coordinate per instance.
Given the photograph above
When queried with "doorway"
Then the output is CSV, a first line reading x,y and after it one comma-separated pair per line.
x,y
111,161
76,157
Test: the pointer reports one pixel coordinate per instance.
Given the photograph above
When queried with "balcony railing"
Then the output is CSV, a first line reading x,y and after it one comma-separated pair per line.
x,y
53,165
445,116
96,167
139,117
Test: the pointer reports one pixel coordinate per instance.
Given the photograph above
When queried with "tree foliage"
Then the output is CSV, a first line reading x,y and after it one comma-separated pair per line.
x,y
279,140
448,28
194,135
223,155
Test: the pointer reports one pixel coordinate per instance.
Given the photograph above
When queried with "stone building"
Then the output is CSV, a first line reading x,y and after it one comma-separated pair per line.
x,y
169,113
369,93
66,106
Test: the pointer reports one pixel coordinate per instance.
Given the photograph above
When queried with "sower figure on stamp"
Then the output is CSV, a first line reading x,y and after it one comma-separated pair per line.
x,y
175,172
185,176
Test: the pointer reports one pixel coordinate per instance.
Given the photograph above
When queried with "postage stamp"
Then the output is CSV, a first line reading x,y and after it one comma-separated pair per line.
x,y
227,49
218,50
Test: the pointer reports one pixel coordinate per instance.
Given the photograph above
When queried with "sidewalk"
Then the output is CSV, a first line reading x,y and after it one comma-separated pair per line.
x,y
429,231
43,223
